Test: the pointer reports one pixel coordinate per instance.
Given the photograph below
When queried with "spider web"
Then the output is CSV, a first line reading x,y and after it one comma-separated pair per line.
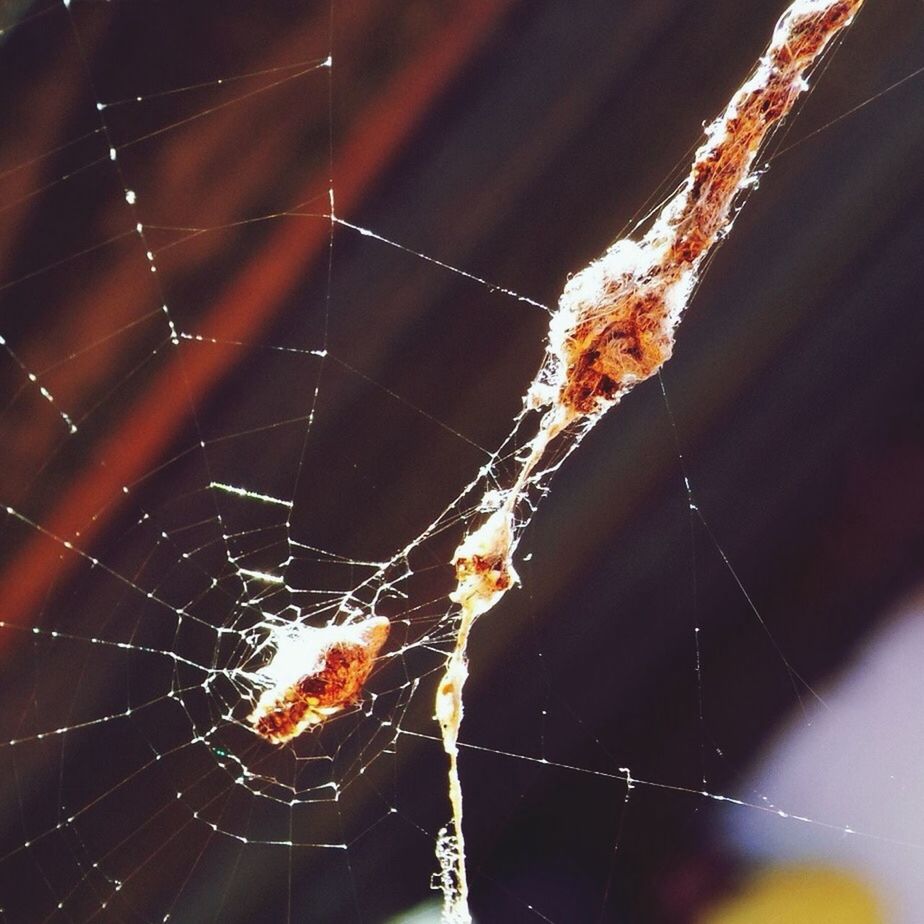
x,y
236,407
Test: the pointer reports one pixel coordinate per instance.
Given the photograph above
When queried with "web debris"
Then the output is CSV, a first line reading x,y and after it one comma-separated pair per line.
x,y
613,328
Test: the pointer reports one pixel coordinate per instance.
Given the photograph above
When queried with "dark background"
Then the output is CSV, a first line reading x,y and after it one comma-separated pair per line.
x,y
513,140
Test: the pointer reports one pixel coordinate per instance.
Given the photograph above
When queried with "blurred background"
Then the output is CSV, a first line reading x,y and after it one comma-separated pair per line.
x,y
766,652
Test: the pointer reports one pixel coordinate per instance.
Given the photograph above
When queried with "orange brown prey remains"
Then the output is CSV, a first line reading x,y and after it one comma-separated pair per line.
x,y
336,666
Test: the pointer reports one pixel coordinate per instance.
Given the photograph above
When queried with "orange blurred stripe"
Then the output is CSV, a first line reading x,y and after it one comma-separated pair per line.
x,y
249,301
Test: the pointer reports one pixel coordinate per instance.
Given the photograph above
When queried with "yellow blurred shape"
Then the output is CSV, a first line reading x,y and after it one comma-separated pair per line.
x,y
798,895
